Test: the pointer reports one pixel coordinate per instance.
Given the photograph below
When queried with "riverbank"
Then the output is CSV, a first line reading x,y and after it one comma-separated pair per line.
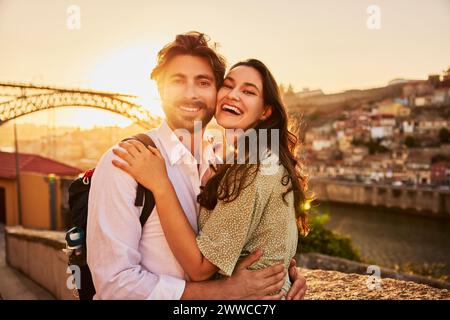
x,y
426,201
390,210
391,239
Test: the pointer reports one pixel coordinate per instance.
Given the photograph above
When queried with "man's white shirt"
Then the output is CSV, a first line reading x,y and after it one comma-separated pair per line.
x,y
126,260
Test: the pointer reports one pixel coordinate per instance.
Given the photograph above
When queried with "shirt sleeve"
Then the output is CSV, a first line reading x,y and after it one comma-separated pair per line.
x,y
224,234
113,235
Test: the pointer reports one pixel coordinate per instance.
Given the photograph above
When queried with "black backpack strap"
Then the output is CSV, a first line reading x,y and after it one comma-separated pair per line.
x,y
143,138
139,195
143,195
148,207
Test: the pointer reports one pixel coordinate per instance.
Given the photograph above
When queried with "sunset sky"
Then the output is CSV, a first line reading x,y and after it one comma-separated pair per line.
x,y
314,44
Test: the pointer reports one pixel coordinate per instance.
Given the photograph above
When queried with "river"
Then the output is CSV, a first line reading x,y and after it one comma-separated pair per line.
x,y
390,238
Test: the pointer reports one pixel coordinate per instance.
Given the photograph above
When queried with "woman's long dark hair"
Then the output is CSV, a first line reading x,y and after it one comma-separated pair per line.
x,y
230,179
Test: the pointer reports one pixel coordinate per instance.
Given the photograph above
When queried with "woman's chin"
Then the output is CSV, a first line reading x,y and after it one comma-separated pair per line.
x,y
229,122
226,123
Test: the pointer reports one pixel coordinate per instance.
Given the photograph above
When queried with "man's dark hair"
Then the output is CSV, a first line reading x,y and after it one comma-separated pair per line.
x,y
195,44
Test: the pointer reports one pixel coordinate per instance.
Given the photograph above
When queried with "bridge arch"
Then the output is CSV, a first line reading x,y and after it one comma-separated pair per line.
x,y
28,99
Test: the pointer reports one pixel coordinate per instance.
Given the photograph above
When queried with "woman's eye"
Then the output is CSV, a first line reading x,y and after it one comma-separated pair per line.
x,y
248,92
227,86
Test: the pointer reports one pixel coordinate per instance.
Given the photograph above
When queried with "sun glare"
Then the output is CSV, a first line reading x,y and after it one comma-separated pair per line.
x,y
128,71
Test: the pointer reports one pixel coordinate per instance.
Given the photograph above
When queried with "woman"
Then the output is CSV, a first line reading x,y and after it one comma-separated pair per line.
x,y
243,207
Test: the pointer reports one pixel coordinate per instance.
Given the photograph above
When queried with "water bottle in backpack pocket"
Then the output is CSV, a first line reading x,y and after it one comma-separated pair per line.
x,y
76,248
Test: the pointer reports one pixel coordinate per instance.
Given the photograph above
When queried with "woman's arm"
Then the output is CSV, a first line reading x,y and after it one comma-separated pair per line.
x,y
180,236
147,166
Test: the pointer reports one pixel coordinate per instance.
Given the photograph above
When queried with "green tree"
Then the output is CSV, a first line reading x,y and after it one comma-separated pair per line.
x,y
410,142
375,146
439,157
290,90
327,242
444,136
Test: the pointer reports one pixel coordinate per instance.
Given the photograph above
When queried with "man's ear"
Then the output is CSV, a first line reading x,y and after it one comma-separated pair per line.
x,y
266,114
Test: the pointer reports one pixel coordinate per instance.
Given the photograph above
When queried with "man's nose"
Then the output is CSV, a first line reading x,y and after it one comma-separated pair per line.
x,y
190,91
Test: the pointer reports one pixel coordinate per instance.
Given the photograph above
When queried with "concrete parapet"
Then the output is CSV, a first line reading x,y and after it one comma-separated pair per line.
x,y
38,254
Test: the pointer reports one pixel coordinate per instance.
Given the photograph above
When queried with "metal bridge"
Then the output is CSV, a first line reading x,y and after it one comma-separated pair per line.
x,y
19,99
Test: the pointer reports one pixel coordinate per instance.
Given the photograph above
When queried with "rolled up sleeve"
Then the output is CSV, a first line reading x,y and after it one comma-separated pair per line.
x,y
113,236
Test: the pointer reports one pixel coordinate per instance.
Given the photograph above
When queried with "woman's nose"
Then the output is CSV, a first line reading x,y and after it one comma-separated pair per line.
x,y
233,94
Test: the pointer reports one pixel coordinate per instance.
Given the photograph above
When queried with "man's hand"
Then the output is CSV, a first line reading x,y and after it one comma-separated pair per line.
x,y
256,284
299,286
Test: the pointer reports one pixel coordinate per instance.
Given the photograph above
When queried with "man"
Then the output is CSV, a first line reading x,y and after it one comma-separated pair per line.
x,y
130,262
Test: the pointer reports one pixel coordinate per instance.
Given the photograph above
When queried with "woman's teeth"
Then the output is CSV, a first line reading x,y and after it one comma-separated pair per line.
x,y
232,109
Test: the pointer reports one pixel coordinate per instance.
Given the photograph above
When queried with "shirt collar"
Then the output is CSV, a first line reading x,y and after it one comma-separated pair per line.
x,y
177,152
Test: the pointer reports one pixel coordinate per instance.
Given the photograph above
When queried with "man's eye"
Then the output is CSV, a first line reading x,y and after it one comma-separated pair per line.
x,y
177,81
204,83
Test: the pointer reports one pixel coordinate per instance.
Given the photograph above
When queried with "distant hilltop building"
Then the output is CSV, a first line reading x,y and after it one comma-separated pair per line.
x,y
409,93
306,93
446,79
391,107
434,80
398,81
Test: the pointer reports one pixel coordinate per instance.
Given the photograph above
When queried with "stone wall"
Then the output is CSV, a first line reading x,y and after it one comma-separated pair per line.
x,y
431,202
324,262
38,254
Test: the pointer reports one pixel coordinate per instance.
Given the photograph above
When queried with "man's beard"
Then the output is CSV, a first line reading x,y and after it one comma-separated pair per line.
x,y
188,123
190,103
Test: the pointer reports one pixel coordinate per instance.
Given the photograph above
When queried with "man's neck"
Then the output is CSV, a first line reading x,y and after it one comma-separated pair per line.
x,y
190,140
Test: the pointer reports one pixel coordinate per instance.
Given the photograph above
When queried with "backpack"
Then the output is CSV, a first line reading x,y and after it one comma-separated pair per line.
x,y
76,248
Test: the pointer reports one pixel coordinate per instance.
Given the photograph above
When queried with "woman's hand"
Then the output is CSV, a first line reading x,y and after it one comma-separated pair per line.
x,y
146,165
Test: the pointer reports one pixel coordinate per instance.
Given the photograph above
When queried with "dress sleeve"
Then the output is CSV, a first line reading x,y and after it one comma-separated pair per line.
x,y
229,225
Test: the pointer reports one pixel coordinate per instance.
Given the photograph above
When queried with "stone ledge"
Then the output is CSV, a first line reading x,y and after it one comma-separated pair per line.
x,y
334,285
324,262
38,255
322,284
54,239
